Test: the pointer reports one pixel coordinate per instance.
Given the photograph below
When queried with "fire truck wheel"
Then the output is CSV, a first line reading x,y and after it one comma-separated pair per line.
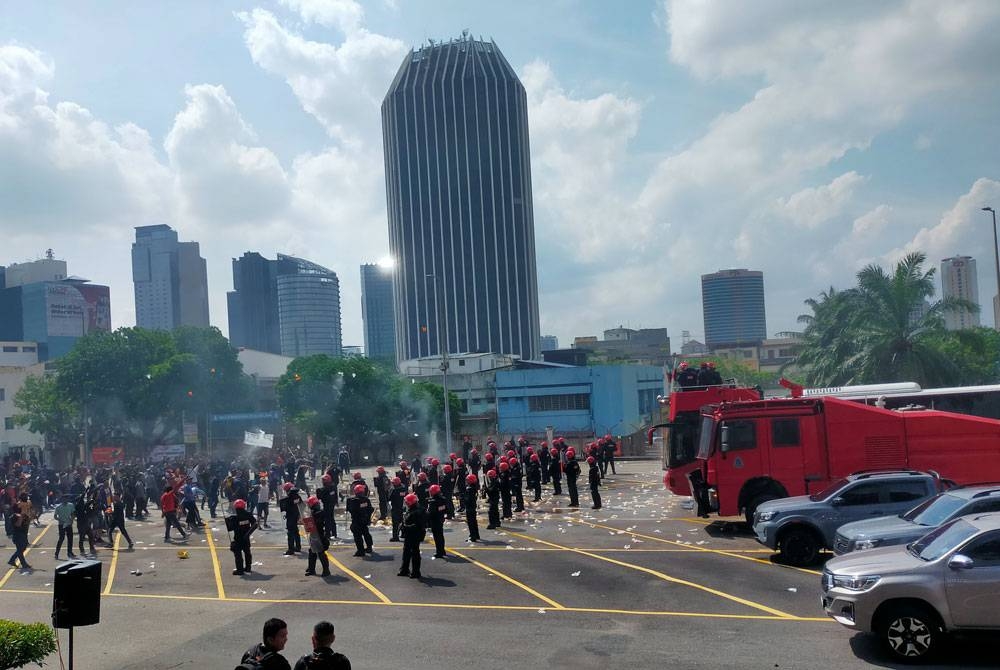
x,y
757,502
799,547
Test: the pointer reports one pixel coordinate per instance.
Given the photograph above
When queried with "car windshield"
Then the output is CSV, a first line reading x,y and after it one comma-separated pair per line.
x,y
829,490
706,441
683,439
935,511
940,541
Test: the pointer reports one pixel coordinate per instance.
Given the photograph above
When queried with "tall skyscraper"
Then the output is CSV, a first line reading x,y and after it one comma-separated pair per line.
x,y
548,343
377,311
287,306
458,192
733,308
170,278
959,280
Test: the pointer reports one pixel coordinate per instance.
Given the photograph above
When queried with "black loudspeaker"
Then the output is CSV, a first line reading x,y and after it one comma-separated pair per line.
x,y
76,594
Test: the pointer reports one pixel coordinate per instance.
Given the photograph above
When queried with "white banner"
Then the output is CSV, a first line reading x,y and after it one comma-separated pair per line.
x,y
258,439
167,451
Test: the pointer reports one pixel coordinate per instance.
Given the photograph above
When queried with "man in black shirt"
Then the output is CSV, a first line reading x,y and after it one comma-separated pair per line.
x,y
414,532
323,657
266,653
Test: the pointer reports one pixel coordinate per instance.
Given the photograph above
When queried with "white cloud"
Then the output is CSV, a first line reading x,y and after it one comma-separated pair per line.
x,y
816,205
346,15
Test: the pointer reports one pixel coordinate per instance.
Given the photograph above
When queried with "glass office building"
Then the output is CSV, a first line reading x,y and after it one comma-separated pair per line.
x,y
733,308
458,190
377,311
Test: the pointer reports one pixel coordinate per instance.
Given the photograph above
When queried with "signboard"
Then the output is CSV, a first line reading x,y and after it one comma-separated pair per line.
x,y
190,432
73,310
169,452
107,455
258,439
249,416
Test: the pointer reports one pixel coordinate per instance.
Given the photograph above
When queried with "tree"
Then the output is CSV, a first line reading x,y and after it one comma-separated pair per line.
x,y
45,411
884,330
24,643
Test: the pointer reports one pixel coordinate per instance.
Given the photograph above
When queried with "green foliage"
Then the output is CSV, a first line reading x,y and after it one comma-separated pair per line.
x,y
24,643
357,400
887,330
733,368
45,411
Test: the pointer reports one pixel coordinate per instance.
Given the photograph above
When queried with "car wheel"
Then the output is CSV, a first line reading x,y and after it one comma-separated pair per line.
x,y
910,632
751,509
799,547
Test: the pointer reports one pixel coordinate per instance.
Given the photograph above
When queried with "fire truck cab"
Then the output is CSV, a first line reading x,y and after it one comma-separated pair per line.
x,y
756,451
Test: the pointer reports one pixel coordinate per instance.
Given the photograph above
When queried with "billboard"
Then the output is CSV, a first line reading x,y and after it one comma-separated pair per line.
x,y
168,452
73,310
107,455
258,439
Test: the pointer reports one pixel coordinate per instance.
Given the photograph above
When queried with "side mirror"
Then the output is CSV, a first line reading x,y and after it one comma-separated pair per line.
x,y
837,502
724,438
959,562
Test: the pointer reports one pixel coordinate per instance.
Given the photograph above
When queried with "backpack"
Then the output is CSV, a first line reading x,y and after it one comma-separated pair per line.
x,y
255,663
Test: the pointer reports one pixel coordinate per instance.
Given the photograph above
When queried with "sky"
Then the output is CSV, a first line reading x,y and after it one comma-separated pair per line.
x,y
669,139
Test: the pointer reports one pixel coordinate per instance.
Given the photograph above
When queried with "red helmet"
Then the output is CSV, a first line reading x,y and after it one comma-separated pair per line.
x,y
683,365
489,456
504,467
711,364
510,454
434,489
531,450
475,451
287,486
380,470
512,461
396,481
544,443
422,476
447,469
554,453
240,504
608,436
327,479
357,475
534,458
504,459
459,462
452,455
435,462
359,489
591,460
492,474
312,501
410,499
571,453
471,479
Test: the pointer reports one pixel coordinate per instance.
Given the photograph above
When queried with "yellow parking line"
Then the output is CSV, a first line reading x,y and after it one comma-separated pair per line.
x,y
721,552
34,543
113,567
668,578
511,580
210,537
364,582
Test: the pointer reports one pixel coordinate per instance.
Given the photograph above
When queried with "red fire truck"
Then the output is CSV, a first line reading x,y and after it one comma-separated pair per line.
x,y
761,450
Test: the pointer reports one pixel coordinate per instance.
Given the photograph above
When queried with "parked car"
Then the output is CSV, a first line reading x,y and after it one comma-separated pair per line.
x,y
907,527
910,596
799,527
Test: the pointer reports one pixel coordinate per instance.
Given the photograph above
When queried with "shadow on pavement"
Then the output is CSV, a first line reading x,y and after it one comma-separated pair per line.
x,y
436,581
966,651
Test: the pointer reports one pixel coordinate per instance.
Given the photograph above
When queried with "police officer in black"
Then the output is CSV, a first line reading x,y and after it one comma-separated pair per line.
x,y
572,473
437,508
241,524
289,505
396,505
475,462
555,472
420,488
327,494
534,477
492,493
319,542
414,532
382,487
594,479
448,490
505,488
360,509
609,455
543,459
461,473
469,502
517,483
686,377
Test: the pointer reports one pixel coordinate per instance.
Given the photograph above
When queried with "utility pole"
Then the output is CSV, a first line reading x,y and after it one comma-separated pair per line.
x,y
443,351
996,258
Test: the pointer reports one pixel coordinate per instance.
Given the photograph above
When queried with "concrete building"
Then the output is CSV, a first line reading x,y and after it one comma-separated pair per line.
x,y
170,280
733,308
12,378
548,343
377,312
458,191
645,346
579,402
43,269
18,353
959,280
253,304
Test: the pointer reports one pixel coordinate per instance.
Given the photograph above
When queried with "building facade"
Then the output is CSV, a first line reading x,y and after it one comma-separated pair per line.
x,y
377,311
170,280
959,280
43,269
458,192
548,343
253,304
733,308
14,438
54,314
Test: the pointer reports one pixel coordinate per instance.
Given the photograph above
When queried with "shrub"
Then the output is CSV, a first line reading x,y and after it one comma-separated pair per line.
x,y
24,643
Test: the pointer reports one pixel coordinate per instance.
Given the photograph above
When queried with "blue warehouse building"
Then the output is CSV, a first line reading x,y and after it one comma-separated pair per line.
x,y
577,401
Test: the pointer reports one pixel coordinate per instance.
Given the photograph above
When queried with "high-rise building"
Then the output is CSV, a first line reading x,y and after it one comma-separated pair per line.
x,y
458,192
377,311
287,306
959,280
548,343
733,308
170,278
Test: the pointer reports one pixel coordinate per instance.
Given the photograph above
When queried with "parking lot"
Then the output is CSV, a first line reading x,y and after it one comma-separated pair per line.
x,y
639,581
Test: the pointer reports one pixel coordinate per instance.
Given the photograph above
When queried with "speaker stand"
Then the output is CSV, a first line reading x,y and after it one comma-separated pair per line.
x,y
70,648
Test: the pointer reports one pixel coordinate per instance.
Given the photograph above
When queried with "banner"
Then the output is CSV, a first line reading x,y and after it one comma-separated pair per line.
x,y
167,452
258,439
107,455
190,432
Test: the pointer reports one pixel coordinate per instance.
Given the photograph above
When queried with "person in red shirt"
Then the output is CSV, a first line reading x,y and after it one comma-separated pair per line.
x,y
168,508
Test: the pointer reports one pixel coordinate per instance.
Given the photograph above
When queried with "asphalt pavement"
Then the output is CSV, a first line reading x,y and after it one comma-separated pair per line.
x,y
640,583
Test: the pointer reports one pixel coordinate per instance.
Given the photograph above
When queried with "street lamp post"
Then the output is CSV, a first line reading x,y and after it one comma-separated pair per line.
x,y
443,351
996,258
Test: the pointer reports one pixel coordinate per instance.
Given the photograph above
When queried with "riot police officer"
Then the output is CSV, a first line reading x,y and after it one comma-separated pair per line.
x,y
414,532
437,508
360,509
241,524
572,473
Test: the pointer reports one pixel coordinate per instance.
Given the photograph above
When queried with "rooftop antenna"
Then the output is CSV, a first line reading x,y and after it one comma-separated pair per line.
x,y
465,33
49,254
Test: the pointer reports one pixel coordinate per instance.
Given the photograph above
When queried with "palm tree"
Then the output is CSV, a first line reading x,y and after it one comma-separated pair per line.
x,y
884,330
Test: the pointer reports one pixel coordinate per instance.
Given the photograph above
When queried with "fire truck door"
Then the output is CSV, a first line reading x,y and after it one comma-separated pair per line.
x,y
739,460
785,453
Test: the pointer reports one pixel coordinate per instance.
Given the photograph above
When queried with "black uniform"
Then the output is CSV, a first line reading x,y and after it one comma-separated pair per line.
x,y
437,508
360,509
396,505
572,472
543,460
241,525
420,488
290,506
516,484
382,486
461,472
475,464
505,491
492,492
469,502
534,477
117,520
594,479
448,493
323,658
327,494
319,542
555,474
609,456
414,532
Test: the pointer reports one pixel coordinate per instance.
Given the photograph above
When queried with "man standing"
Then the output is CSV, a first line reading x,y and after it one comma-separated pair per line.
x,y
290,506
396,504
448,490
344,459
327,494
318,540
360,509
505,487
414,532
168,508
64,517
543,457
572,473
594,479
263,495
117,520
492,492
437,508
555,472
516,483
382,489
242,525
534,477
323,656
20,519
266,654
469,502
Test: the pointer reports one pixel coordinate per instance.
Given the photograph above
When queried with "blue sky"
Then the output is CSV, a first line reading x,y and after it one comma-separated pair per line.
x,y
669,139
